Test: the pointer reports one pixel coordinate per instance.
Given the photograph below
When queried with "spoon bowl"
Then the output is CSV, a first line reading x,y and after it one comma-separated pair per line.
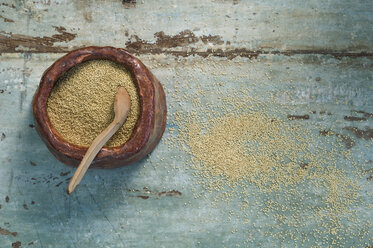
x,y
122,104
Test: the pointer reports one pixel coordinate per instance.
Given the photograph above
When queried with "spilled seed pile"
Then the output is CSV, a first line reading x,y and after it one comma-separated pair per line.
x,y
244,147
80,105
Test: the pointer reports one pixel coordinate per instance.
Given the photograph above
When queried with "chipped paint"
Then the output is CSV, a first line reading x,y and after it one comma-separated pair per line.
x,y
326,132
184,39
348,141
129,3
366,134
365,114
170,193
10,43
298,117
354,118
7,232
6,19
16,244
144,197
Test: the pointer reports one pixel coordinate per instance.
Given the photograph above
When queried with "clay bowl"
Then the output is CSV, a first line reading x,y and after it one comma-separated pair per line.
x,y
148,129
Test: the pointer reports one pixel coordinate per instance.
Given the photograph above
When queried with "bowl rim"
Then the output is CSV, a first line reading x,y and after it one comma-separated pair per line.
x,y
145,88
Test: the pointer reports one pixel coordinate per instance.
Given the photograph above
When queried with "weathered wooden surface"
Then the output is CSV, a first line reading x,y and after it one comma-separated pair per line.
x,y
312,55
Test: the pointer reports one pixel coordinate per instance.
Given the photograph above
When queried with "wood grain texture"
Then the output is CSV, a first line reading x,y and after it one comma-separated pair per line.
x,y
220,28
126,205
311,56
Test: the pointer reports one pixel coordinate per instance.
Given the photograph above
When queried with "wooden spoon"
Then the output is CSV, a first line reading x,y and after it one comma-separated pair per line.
x,y
122,105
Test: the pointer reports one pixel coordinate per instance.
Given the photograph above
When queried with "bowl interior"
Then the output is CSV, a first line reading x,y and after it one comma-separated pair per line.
x,y
80,105
145,88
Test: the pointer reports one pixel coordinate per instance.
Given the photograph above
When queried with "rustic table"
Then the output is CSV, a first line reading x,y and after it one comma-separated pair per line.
x,y
322,50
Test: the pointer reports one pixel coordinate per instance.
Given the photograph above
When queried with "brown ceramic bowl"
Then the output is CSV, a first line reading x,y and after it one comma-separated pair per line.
x,y
149,127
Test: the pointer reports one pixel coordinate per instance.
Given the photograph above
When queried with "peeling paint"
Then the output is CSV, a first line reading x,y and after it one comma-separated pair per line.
x,y
7,232
298,117
354,118
11,43
8,5
366,134
129,3
348,142
6,19
143,197
164,44
170,193
326,132
365,114
16,244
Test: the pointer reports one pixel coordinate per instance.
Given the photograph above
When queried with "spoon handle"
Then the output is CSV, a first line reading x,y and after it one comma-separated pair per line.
x,y
95,147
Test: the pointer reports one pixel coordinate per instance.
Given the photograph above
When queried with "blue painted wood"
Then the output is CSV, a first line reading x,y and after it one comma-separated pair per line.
x,y
152,203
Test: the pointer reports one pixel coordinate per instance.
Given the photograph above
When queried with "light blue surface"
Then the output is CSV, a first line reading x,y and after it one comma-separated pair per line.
x,y
109,209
